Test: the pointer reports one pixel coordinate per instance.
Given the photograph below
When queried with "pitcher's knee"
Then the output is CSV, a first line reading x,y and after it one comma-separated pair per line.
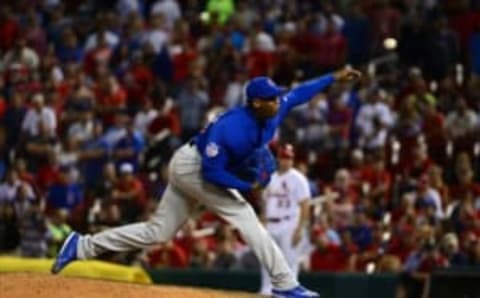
x,y
155,233
245,217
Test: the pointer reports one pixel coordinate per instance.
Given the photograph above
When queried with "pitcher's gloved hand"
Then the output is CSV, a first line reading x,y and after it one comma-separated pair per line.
x,y
258,168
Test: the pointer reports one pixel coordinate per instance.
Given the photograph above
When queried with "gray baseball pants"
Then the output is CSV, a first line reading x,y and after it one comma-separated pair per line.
x,y
186,185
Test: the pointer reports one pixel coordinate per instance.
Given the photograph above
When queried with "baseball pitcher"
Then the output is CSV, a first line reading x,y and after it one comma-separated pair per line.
x,y
202,172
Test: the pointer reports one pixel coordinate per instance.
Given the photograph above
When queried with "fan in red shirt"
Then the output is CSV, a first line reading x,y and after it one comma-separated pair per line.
x,y
301,42
161,131
100,55
342,208
110,98
169,255
431,259
327,256
48,173
433,129
403,243
183,53
168,119
329,49
408,129
185,238
138,82
3,107
9,29
339,119
420,163
465,185
360,167
379,180
260,60
259,63
343,185
129,193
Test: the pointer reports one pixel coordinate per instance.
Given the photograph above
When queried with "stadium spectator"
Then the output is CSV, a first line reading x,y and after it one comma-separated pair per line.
x,y
58,230
64,193
373,120
128,193
10,187
327,256
39,115
33,231
342,208
129,147
168,255
192,102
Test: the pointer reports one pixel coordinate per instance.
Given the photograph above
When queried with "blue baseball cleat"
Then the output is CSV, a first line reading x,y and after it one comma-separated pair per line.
x,y
67,254
297,292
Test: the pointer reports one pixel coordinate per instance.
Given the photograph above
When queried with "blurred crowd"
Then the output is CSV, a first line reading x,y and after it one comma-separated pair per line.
x,y
96,95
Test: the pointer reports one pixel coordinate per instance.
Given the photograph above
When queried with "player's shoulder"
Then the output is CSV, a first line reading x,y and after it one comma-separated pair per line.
x,y
234,112
275,175
296,174
231,127
223,120
232,116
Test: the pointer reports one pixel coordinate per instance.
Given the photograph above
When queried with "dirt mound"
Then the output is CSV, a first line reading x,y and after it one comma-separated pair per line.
x,y
23,285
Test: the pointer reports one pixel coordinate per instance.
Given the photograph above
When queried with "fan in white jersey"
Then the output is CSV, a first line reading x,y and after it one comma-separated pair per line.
x,y
285,210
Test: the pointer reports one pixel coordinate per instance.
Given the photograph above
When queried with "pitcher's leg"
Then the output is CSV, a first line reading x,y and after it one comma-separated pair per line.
x,y
266,282
172,211
241,215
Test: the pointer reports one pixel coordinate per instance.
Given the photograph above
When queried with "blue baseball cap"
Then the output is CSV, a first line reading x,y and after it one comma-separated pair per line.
x,y
263,88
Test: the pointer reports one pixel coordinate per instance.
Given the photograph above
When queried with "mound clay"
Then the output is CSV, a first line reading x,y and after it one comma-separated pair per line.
x,y
26,285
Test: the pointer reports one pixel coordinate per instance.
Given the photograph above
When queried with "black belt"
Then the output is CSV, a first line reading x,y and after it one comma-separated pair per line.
x,y
278,219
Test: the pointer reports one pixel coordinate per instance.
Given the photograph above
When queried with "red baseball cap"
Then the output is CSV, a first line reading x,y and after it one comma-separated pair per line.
x,y
286,151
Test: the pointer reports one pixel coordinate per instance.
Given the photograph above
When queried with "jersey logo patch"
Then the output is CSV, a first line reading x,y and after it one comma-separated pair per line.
x,y
211,150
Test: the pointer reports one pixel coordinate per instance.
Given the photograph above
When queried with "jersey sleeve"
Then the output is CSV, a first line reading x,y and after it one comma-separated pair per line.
x,y
304,93
302,190
215,160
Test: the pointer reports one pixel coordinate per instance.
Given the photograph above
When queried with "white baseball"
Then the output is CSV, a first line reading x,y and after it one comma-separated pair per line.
x,y
390,43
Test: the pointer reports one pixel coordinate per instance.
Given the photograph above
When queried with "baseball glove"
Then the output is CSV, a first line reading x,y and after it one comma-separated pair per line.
x,y
258,167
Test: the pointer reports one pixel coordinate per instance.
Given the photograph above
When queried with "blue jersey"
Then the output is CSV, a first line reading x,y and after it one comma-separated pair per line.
x,y
236,134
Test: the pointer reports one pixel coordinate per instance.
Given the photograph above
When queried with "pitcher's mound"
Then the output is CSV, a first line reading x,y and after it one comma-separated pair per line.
x,y
36,285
